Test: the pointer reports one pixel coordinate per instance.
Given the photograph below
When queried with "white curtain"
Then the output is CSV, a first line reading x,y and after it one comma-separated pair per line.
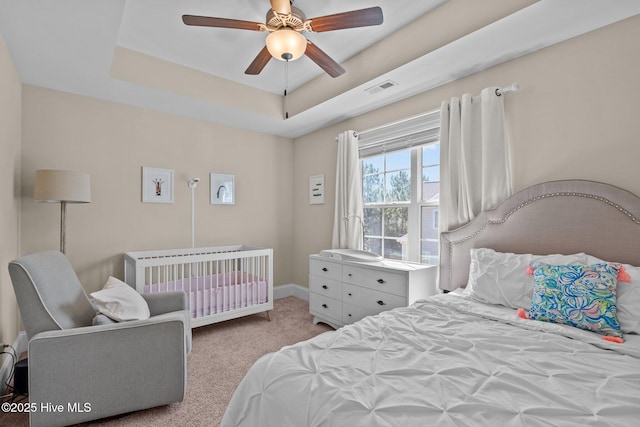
x,y
475,173
347,220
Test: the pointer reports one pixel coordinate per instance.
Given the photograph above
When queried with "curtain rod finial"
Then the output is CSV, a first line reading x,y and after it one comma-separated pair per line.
x,y
513,87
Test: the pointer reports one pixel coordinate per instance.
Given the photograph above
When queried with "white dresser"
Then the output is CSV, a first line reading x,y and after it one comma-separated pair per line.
x,y
343,292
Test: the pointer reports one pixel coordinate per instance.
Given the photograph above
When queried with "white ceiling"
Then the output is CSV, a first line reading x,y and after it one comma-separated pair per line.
x,y
69,45
155,27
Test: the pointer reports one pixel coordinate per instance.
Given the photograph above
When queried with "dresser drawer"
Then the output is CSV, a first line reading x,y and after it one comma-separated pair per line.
x,y
373,302
370,301
351,313
326,307
326,287
392,283
330,270
350,274
350,293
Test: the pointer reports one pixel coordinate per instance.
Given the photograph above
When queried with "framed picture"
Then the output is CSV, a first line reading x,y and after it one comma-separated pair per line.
x,y
316,190
222,189
157,185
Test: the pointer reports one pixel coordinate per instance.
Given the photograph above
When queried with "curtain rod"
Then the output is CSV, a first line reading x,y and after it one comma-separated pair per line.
x,y
513,87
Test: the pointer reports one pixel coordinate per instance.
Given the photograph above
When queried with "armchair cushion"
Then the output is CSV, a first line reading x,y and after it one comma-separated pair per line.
x,y
101,319
120,302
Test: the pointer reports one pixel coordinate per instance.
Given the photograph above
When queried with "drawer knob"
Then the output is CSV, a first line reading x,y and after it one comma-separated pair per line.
x,y
325,306
350,294
381,281
381,302
325,287
349,274
325,269
349,314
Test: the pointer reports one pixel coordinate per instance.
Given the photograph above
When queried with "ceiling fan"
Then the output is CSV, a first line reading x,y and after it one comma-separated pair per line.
x,y
285,24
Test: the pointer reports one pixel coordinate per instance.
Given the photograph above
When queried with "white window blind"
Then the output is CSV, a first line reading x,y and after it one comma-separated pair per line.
x,y
410,132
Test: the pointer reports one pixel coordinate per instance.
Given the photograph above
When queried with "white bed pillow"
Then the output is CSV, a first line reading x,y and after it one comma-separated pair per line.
x,y
120,302
501,278
627,299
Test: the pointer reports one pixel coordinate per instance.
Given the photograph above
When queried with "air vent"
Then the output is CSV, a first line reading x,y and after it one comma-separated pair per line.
x,y
380,87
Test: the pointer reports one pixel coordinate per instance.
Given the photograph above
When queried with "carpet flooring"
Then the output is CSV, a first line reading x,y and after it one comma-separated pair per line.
x,y
221,355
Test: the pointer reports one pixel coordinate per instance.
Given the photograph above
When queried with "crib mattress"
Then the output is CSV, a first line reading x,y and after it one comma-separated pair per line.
x,y
217,293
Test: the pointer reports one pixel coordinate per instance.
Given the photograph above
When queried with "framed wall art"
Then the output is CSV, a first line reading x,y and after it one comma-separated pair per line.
x,y
157,185
222,189
316,189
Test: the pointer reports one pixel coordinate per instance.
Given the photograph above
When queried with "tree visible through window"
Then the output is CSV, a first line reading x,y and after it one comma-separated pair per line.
x,y
400,222
386,194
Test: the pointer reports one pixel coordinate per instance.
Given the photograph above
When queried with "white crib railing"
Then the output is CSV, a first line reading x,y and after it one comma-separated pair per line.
x,y
221,282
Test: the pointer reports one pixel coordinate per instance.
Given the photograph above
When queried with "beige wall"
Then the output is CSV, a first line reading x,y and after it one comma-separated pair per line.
x,y
576,116
10,127
112,142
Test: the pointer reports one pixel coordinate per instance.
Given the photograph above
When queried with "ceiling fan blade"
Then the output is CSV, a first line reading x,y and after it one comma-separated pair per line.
x,y
353,19
259,62
208,21
323,60
282,7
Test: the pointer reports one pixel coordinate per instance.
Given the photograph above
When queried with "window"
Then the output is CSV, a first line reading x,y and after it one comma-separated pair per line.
x,y
430,199
401,188
386,193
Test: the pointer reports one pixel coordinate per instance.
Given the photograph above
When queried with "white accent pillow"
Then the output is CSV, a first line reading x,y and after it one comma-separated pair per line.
x,y
627,299
120,302
501,278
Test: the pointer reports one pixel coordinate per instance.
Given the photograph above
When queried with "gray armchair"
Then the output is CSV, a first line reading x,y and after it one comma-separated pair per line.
x,y
95,371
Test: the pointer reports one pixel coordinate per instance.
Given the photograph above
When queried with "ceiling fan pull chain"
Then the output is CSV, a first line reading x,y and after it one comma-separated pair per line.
x,y
286,88
286,77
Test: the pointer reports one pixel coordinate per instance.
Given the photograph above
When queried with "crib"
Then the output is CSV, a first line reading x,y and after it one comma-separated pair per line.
x,y
221,282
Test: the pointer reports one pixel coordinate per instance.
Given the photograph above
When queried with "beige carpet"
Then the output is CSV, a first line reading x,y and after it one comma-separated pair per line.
x,y
221,355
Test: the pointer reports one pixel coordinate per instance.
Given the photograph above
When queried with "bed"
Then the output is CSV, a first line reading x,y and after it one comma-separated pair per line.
x,y
472,357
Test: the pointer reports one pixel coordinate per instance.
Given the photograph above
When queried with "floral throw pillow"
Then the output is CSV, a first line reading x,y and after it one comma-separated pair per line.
x,y
583,296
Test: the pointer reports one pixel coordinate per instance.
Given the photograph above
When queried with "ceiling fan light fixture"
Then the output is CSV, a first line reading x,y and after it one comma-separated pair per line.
x,y
286,44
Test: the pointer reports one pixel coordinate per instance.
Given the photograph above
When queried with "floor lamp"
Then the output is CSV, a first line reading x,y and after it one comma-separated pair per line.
x,y
58,186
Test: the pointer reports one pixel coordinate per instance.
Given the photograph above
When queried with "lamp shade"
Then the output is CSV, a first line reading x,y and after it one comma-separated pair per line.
x,y
62,186
286,44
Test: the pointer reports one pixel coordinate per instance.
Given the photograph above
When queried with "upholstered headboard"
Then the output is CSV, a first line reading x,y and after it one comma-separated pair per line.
x,y
554,217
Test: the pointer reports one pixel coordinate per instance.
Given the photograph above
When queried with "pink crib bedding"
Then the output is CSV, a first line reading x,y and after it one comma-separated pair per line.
x,y
217,293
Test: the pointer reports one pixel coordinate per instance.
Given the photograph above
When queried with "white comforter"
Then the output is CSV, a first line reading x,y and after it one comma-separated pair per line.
x,y
449,361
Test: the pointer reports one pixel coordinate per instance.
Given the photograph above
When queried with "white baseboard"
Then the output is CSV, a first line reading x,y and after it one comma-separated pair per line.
x,y
20,345
291,290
